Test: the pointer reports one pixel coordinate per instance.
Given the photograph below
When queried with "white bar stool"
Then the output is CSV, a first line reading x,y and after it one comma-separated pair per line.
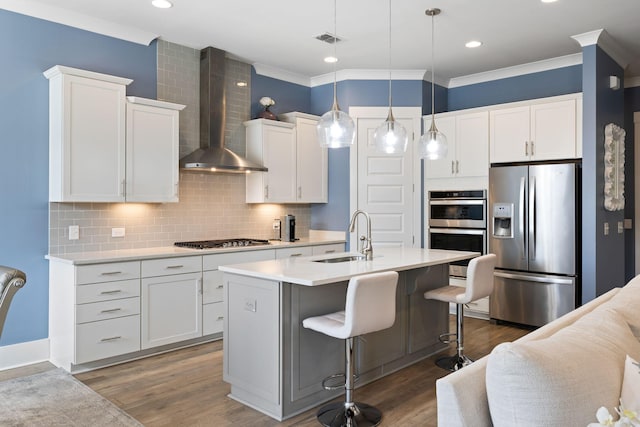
x,y
479,285
370,306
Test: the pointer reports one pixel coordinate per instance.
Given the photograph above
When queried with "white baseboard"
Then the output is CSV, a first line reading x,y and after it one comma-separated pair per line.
x,y
27,353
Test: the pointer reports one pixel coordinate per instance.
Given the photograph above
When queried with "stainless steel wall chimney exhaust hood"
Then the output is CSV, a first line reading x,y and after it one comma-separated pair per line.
x,y
212,156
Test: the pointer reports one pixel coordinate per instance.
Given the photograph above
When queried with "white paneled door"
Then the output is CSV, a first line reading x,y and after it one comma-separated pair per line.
x,y
387,186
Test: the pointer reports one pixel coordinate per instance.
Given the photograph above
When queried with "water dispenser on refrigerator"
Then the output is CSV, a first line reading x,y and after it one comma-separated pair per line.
x,y
503,220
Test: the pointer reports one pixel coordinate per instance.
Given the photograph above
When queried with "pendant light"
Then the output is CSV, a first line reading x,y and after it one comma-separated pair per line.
x,y
390,137
335,128
433,143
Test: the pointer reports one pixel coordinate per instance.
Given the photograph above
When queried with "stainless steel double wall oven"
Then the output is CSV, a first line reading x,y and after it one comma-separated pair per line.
x,y
458,221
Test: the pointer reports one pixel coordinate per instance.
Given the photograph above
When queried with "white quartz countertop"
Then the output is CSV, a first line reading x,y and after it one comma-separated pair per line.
x,y
82,258
305,271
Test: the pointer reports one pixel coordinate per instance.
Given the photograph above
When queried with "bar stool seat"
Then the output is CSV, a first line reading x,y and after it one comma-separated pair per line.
x,y
370,306
479,285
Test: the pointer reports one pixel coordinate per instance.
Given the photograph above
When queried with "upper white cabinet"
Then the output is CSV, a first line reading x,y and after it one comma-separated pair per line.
x,y
105,149
298,170
468,145
312,160
539,131
152,150
86,136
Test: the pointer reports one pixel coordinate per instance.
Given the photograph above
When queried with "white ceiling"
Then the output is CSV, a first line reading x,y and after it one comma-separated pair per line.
x,y
280,34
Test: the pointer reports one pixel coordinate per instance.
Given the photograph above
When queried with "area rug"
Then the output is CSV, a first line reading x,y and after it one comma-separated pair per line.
x,y
55,398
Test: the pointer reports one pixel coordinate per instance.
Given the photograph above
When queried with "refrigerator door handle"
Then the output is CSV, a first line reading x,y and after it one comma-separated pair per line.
x,y
521,219
528,278
532,218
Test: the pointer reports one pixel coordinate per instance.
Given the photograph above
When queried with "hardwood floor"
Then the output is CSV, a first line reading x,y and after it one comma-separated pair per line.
x,y
185,387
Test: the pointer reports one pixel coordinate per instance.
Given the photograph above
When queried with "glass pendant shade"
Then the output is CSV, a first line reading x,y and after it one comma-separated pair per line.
x,y
390,137
433,144
335,129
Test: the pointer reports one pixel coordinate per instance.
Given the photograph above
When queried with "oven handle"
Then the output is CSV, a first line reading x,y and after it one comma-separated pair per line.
x,y
457,202
457,231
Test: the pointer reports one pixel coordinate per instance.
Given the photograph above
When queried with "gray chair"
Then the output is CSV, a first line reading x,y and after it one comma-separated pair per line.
x,y
479,285
370,306
10,281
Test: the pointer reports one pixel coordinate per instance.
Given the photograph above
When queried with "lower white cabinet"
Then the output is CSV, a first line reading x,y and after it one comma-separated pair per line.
x,y
327,249
171,301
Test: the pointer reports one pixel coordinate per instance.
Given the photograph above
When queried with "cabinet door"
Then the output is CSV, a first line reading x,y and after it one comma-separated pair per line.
x,y
171,309
443,168
553,130
509,134
472,144
312,165
280,159
87,138
152,154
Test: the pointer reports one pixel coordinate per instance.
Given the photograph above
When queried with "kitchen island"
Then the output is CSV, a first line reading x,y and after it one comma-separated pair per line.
x,y
276,366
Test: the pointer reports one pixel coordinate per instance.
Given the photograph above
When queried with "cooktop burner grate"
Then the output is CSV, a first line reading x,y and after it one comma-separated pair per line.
x,y
225,243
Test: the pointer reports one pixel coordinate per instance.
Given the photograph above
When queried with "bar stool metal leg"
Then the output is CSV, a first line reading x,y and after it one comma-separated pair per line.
x,y
459,360
349,413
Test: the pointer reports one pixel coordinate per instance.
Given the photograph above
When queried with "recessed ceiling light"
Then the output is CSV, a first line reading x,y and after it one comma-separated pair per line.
x,y
241,84
162,4
473,43
330,59
548,1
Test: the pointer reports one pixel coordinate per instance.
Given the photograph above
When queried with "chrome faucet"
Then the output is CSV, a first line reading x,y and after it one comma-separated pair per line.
x,y
366,248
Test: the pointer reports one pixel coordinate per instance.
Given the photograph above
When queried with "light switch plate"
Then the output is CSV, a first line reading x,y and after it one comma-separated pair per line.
x,y
250,304
74,232
117,232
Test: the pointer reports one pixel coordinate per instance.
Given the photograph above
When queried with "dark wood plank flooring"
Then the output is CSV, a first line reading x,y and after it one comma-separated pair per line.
x,y
185,387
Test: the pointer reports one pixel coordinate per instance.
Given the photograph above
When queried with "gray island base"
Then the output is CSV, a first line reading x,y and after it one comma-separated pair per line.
x,y
276,366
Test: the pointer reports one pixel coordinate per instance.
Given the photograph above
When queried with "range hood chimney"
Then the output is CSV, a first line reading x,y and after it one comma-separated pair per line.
x,y
212,156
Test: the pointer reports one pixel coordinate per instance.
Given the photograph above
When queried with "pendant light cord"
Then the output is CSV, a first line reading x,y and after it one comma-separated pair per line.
x,y
433,62
335,41
389,57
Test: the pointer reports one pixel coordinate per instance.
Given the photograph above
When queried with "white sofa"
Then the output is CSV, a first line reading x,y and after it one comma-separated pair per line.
x,y
557,375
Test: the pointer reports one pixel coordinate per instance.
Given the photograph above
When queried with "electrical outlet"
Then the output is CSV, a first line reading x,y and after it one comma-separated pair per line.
x,y
117,232
250,304
74,232
606,228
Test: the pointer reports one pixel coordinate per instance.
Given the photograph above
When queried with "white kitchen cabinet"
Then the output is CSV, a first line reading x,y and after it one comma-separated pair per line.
x,y
152,148
272,144
103,148
312,160
94,312
537,131
467,136
86,136
298,166
171,300
213,287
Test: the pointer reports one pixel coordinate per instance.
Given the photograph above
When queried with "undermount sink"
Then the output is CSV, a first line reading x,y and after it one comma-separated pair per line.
x,y
341,259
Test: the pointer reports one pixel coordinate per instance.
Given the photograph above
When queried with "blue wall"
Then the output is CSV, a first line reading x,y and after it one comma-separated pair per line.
x,y
30,46
288,96
560,81
603,256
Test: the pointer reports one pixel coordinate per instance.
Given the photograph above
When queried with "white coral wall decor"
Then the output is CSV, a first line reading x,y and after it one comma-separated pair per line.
x,y
613,167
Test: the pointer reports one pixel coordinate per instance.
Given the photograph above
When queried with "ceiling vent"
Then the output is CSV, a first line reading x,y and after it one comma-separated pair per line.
x,y
328,38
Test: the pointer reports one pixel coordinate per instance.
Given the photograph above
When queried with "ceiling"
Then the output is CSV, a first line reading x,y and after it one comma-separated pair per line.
x,y
280,34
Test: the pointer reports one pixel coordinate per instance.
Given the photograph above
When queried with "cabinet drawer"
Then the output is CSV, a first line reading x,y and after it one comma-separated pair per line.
x,y
167,266
212,287
212,262
212,318
107,310
327,249
110,272
99,340
108,291
294,252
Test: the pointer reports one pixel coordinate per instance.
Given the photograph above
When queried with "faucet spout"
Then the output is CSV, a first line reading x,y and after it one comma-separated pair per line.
x,y
367,247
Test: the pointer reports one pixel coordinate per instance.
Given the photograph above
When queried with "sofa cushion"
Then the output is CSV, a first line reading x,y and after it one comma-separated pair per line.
x,y
630,395
626,302
563,379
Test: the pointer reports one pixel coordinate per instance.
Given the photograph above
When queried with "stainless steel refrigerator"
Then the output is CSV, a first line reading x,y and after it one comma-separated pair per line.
x,y
534,229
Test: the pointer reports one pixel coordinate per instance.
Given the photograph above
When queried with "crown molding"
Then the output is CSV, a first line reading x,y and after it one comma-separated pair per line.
x,y
607,43
518,70
280,74
357,74
51,13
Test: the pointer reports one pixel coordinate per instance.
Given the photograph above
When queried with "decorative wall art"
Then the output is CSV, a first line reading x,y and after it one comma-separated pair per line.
x,y
613,167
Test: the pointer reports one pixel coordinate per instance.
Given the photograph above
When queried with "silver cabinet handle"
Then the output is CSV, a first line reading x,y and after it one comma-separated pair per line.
x,y
294,255
115,291
111,310
266,191
457,166
220,287
532,150
220,318
110,339
173,267
122,185
452,171
110,273
526,148
329,251
299,192
176,186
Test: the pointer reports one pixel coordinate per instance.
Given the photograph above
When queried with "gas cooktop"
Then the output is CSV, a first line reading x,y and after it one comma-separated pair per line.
x,y
224,243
